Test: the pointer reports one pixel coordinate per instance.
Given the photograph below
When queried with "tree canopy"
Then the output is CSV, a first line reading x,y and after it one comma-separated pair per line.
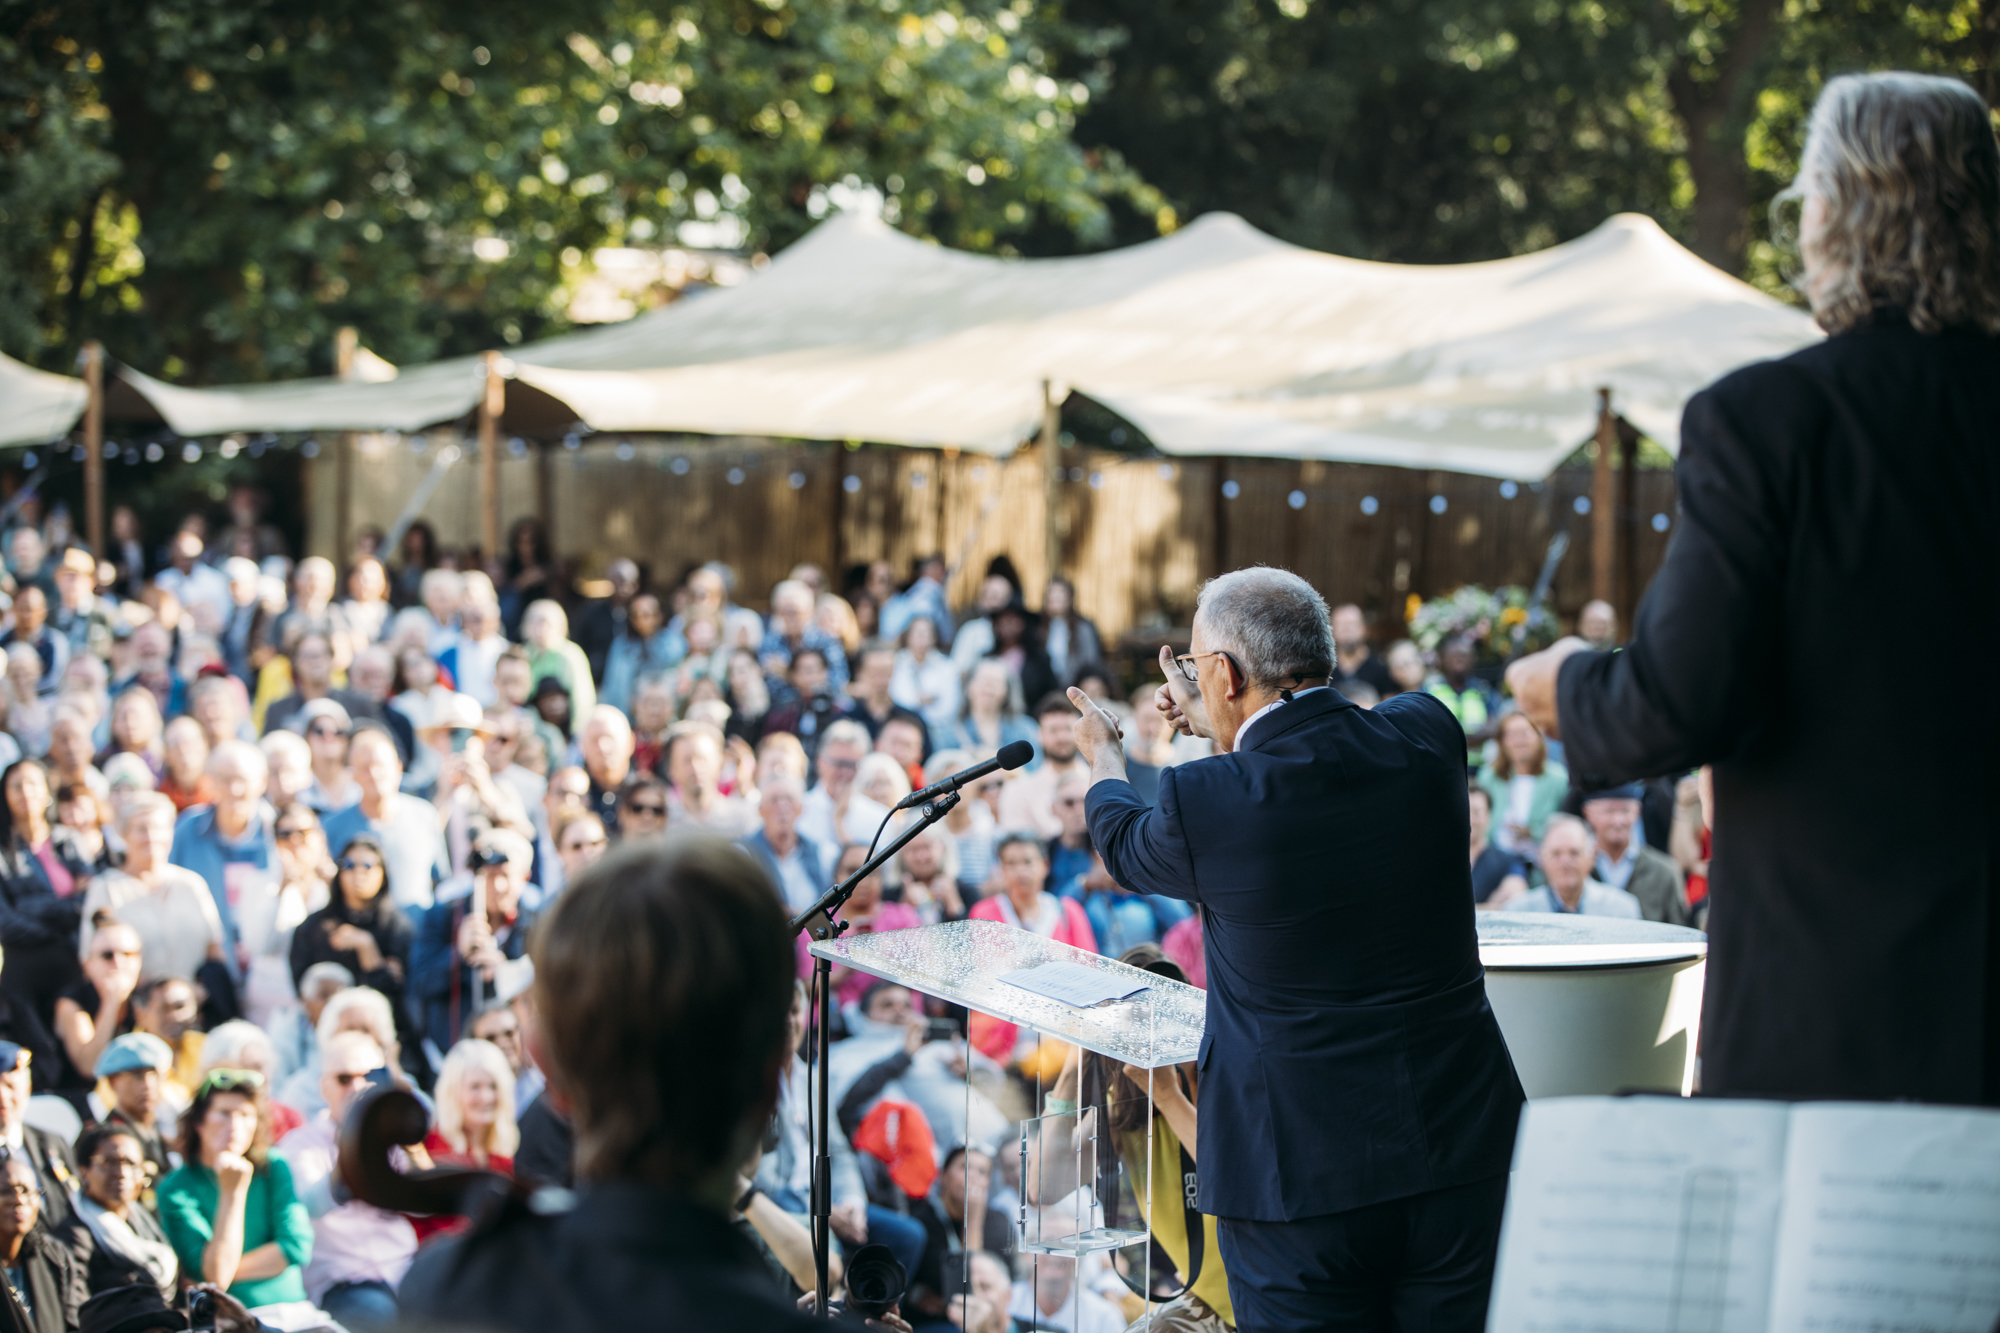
x,y
214,190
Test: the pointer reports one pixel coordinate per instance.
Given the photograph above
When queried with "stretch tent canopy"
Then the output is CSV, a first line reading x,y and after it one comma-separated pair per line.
x,y
1217,339
36,406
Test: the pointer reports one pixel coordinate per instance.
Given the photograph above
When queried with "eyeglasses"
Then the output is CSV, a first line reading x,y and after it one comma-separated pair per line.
x,y
291,834
356,863
326,733
583,844
650,810
230,1080
352,1080
24,1191
1192,673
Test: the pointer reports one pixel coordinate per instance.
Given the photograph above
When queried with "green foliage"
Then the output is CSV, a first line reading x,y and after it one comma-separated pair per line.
x,y
436,173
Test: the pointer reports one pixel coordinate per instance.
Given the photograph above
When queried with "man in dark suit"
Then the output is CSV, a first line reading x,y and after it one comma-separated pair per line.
x,y
46,1153
1854,937
1357,1102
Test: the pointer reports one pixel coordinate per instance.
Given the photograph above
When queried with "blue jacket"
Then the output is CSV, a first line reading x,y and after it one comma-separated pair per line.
x,y
441,983
198,848
818,857
1349,1056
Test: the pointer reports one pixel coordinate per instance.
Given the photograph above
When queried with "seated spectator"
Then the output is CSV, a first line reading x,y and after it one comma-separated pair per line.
x,y
39,903
370,679
505,728
866,913
923,678
1624,861
813,705
653,703
215,700
97,1006
1406,665
800,867
46,1154
707,987
357,1009
985,1309
556,710
965,1174
1524,785
185,780
44,1282
471,660
903,739
134,1067
1028,800
566,796
407,828
1569,850
606,745
643,805
1498,877
238,1044
1015,644
293,1035
327,726
468,798
579,841
1048,1298
152,669
113,1238
640,650
463,939
359,1252
883,780
835,811
1471,700
366,605
474,1125
289,761
70,747
230,1210
545,632
929,877
136,729
749,698
503,1027
1023,902
360,928
1121,919
230,842
991,716
31,628
694,770
791,630
1597,625
170,1008
1357,664
869,691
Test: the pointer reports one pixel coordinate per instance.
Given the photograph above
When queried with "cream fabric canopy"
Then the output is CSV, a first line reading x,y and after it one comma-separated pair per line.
x,y
35,405
1215,340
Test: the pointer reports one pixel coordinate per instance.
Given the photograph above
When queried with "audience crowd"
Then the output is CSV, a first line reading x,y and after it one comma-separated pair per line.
x,y
275,833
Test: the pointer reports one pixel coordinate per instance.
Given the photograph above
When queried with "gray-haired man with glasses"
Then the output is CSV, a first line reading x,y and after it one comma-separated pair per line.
x,y
1356,1103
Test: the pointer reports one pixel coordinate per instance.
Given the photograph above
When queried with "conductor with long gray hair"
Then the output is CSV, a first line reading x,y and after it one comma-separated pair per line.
x,y
1831,501
1356,1102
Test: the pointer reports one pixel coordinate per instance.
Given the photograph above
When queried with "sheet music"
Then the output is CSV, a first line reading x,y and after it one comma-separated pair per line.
x,y
1892,1221
1072,983
1641,1215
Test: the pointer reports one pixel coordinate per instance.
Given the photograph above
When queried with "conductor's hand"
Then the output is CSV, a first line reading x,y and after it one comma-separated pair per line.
x,y
1533,682
1098,735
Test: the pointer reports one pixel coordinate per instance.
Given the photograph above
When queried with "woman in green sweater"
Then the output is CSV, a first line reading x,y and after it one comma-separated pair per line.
x,y
230,1210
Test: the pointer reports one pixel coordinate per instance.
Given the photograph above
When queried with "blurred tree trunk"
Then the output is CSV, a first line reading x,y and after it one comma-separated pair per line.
x,y
1713,93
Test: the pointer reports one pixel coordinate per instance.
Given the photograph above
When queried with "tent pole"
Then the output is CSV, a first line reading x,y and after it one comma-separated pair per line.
x,y
345,343
1604,504
1051,489
1628,523
491,403
93,447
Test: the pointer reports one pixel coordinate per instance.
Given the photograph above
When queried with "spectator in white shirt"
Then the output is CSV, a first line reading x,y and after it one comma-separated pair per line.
x,y
1568,852
472,658
835,812
408,827
360,1252
1048,1298
1028,801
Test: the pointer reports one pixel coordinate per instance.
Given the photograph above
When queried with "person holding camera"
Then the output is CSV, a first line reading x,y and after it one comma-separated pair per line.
x,y
477,924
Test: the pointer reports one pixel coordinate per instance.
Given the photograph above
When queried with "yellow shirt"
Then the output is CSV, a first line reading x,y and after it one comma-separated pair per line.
x,y
1169,1216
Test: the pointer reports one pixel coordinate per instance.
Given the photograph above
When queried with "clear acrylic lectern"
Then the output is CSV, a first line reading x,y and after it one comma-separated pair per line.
x,y
1088,1195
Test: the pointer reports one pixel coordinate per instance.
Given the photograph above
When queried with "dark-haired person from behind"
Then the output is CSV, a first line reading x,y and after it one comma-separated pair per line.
x,y
663,957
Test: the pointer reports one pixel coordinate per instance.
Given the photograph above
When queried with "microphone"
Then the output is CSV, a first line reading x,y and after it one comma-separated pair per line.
x,y
1010,757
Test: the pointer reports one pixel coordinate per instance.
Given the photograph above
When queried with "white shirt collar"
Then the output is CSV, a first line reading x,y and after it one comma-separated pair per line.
x,y
1272,706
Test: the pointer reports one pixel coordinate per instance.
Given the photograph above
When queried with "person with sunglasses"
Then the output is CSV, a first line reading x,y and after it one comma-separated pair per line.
x,y
43,1288
98,1006
113,1238
231,1211
167,906
327,726
579,841
1354,1082
642,806
360,928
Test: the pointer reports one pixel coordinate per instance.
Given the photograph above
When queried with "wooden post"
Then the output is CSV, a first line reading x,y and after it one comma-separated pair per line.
x,y
1604,504
1628,524
346,343
491,404
545,490
1051,446
93,447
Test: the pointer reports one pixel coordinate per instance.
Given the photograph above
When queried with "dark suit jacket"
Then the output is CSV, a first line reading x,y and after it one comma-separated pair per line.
x,y
55,1285
51,1159
1350,1057
626,1257
1854,937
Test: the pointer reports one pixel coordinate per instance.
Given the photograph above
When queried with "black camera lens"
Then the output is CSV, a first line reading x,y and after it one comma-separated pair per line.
x,y
875,1281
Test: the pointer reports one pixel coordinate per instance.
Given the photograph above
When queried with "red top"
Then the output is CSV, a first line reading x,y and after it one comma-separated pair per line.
x,y
443,1154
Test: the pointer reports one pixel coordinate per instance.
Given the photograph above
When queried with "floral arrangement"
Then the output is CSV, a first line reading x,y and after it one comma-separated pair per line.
x,y
1500,621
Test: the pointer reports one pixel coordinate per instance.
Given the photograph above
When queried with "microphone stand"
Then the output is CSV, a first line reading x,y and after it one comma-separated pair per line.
x,y
817,921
